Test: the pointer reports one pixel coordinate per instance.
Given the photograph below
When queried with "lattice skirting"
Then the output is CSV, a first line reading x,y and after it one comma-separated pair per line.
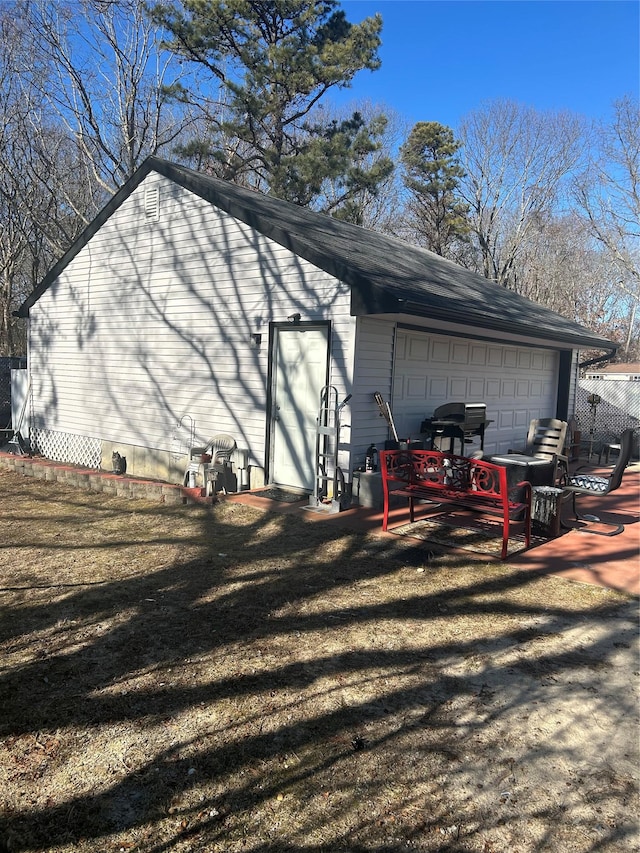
x,y
64,447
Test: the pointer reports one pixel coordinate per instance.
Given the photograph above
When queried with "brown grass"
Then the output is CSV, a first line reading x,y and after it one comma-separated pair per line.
x,y
225,679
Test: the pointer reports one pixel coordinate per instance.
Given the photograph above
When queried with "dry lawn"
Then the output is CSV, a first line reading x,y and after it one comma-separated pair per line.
x,y
225,679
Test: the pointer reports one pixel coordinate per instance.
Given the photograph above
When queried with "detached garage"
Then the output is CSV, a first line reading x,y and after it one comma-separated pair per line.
x,y
191,307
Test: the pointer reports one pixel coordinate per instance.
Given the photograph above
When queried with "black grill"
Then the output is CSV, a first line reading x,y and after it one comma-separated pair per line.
x,y
462,421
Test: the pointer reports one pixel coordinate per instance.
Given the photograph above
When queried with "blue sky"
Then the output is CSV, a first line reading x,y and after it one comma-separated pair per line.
x,y
443,58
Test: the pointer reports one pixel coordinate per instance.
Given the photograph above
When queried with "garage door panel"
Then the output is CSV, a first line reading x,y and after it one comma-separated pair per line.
x,y
505,419
460,353
418,350
416,388
458,388
440,352
494,357
401,344
492,389
476,390
521,420
516,383
437,388
479,355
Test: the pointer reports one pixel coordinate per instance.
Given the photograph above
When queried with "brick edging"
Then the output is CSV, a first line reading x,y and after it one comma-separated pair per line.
x,y
101,481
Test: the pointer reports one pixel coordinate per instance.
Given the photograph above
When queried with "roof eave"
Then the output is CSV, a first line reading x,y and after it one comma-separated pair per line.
x,y
371,301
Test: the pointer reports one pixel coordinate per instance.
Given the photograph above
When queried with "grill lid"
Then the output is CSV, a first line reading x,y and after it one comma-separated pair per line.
x,y
468,413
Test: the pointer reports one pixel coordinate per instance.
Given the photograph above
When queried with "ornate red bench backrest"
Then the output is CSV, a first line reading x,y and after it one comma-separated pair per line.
x,y
443,471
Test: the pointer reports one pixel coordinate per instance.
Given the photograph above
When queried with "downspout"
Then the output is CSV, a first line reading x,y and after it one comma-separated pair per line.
x,y
607,357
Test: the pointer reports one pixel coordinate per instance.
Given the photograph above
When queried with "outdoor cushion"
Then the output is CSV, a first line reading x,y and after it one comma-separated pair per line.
x,y
587,481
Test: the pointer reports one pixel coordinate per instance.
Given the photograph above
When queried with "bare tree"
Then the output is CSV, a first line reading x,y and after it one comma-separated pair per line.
x,y
560,266
608,196
86,93
608,191
516,161
104,75
18,235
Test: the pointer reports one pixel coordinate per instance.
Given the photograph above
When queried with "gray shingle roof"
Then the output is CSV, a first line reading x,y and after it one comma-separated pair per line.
x,y
387,275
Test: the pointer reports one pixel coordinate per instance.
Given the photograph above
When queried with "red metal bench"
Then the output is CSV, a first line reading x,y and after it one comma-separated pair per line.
x,y
442,478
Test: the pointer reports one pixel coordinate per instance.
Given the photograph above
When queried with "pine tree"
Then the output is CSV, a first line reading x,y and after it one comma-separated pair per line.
x,y
432,174
274,62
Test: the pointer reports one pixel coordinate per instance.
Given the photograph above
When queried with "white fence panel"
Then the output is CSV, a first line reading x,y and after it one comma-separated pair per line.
x,y
618,409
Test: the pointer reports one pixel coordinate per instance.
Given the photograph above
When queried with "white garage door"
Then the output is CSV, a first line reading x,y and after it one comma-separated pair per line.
x,y
516,383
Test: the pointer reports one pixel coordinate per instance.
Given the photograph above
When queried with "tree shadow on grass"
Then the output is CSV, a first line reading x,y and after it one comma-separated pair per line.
x,y
280,684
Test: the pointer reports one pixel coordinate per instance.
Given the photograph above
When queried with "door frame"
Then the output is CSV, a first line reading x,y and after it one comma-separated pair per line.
x,y
274,329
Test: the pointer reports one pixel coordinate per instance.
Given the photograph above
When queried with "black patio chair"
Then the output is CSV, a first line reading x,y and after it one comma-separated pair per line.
x,y
589,484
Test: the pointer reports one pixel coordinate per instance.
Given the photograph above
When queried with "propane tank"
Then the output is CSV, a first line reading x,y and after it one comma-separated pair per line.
x,y
371,459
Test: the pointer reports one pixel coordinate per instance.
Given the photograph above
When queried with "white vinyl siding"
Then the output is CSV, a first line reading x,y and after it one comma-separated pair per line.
x,y
152,321
374,371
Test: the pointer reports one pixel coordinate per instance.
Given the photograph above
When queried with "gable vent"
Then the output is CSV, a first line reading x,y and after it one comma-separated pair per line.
x,y
152,203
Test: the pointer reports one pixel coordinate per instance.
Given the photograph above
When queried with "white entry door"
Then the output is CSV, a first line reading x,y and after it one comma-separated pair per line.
x,y
300,372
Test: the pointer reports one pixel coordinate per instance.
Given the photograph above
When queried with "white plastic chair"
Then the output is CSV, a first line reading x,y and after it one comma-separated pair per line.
x,y
210,463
